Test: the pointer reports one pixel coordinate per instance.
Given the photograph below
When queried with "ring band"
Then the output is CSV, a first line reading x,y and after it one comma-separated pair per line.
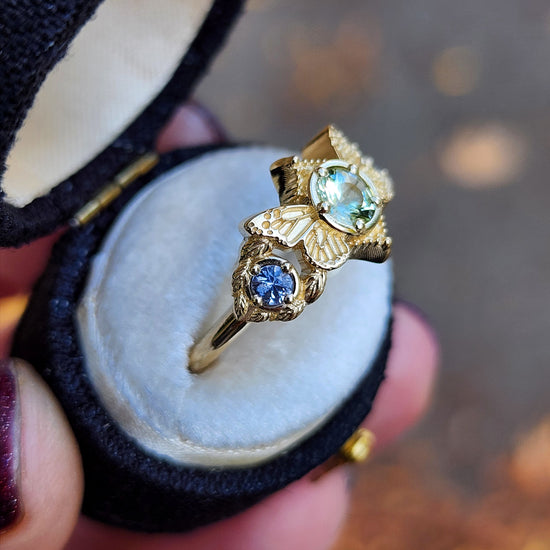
x,y
331,209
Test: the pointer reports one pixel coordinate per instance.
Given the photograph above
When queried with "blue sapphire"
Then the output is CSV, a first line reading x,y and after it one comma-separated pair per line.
x,y
272,285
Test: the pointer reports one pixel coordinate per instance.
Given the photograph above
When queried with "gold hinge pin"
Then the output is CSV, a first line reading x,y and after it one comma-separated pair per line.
x,y
356,449
114,188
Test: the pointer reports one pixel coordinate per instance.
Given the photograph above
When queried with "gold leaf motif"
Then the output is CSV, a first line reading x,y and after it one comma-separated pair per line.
x,y
287,314
255,247
238,278
373,251
241,305
285,177
314,286
259,316
237,283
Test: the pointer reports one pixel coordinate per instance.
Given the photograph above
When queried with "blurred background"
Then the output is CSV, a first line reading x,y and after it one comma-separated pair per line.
x,y
453,97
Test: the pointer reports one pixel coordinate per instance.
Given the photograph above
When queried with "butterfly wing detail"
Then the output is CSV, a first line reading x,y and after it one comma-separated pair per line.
x,y
287,224
324,246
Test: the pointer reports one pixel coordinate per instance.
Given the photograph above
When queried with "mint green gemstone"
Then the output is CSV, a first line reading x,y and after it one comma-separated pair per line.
x,y
348,197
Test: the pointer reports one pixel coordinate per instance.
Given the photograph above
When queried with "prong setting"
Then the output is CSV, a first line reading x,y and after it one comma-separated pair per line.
x,y
274,284
322,171
345,196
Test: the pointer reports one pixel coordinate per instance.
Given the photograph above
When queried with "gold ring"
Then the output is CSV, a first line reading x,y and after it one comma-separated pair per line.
x,y
331,209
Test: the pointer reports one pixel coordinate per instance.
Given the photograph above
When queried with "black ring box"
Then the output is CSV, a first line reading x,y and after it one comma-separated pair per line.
x,y
125,485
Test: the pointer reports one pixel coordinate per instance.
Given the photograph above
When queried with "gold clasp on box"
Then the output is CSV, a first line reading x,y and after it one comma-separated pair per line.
x,y
114,188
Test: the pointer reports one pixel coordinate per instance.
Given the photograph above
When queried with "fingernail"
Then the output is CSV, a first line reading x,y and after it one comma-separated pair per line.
x,y
10,502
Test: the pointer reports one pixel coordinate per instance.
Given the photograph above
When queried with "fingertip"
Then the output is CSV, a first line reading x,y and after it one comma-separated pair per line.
x,y
21,267
305,515
414,325
50,484
410,376
191,125
415,353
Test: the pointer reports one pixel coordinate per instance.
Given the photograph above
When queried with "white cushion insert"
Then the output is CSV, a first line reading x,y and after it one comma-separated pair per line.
x,y
163,275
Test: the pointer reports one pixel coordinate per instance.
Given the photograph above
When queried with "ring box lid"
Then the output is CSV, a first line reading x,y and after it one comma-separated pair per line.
x,y
86,86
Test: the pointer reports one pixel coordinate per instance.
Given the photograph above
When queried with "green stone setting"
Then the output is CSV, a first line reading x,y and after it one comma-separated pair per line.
x,y
345,199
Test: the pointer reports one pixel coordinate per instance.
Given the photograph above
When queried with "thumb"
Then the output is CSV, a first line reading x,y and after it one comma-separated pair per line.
x,y
41,479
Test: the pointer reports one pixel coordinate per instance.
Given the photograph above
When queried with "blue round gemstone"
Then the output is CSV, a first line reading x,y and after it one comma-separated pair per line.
x,y
272,285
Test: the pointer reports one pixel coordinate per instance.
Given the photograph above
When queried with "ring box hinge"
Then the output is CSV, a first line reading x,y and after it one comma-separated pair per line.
x,y
114,188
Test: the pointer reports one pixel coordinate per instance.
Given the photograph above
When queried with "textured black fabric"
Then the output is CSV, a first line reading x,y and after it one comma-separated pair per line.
x,y
125,486
34,36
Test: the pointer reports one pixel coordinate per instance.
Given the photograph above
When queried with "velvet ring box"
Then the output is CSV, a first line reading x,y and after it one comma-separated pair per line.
x,y
86,87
